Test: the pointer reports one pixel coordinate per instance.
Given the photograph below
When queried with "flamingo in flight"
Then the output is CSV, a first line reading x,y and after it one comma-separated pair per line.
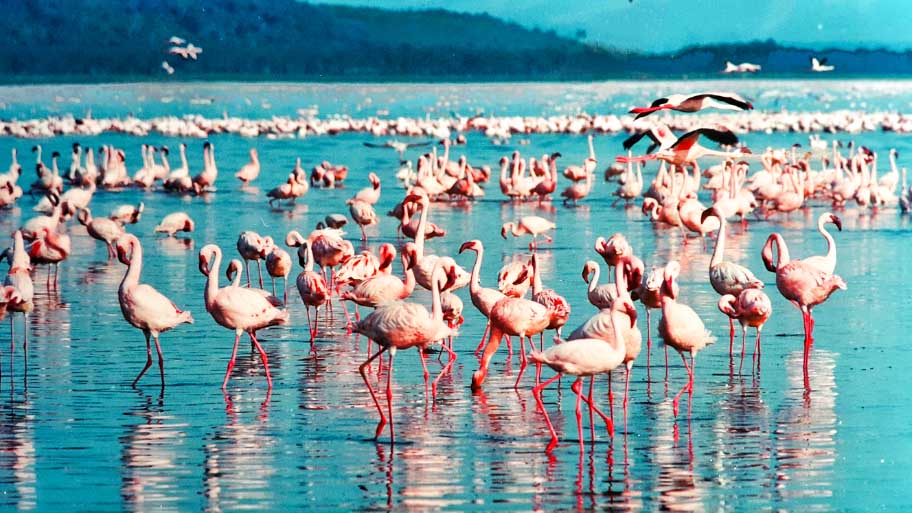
x,y
694,103
686,150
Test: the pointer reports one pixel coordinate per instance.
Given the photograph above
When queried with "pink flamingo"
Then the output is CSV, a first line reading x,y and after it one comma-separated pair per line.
x,y
175,222
18,276
650,294
514,279
363,214
384,288
513,317
804,285
558,307
143,306
826,263
681,328
395,326
529,225
585,357
752,308
727,277
600,296
252,246
313,289
425,263
251,170
694,103
238,309
370,195
483,298
101,228
50,248
278,265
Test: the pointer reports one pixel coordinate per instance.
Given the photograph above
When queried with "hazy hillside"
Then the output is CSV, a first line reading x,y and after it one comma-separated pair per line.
x,y
285,39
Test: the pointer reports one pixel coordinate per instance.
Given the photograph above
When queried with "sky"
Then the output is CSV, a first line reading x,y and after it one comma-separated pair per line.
x,y
665,25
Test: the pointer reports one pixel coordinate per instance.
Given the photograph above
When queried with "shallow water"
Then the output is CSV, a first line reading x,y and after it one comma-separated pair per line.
x,y
76,437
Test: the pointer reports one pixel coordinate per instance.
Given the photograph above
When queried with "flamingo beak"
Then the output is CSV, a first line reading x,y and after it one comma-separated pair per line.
x,y
503,232
837,222
631,312
586,273
203,263
466,245
706,213
523,276
411,198
122,255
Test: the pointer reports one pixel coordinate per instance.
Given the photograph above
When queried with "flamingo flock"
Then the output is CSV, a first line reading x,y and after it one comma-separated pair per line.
x,y
332,275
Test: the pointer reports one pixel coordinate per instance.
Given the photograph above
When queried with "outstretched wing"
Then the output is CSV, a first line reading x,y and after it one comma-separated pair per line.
x,y
729,98
687,140
375,145
631,141
416,144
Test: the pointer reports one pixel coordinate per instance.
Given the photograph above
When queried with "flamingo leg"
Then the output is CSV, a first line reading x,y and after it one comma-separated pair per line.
x,y
389,396
237,339
443,371
591,403
537,392
260,273
148,359
315,327
273,285
577,387
522,363
161,359
757,347
371,390
743,343
424,368
687,386
262,357
591,413
247,271
731,336
479,376
309,325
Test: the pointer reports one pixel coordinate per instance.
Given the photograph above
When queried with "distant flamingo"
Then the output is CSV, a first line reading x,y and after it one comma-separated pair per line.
x,y
681,328
585,357
397,326
18,276
143,306
694,103
238,309
175,222
529,225
101,228
251,170
752,308
363,214
50,248
252,246
313,289
804,284
370,195
278,265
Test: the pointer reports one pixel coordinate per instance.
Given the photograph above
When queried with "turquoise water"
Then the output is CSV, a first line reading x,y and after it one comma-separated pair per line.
x,y
75,437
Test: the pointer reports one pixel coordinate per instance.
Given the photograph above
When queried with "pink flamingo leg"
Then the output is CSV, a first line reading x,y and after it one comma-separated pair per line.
x,y
591,403
577,388
389,397
161,359
687,386
237,339
148,359
260,273
262,357
443,371
731,336
522,363
494,338
371,390
591,414
743,343
247,271
424,368
537,392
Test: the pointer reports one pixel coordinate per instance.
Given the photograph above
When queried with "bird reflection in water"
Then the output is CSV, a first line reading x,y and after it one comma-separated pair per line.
x,y
18,477
174,246
152,448
238,461
804,445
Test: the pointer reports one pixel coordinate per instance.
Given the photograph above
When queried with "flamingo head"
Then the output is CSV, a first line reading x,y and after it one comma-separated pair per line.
x,y
55,155
266,245
387,254
472,245
727,305
10,295
767,254
123,247
669,287
506,227
233,268
414,198
374,180
503,161
523,276
588,269
188,225
205,255
832,218
410,251
451,276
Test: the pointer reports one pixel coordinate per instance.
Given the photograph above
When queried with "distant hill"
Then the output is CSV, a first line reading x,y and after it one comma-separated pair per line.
x,y
92,40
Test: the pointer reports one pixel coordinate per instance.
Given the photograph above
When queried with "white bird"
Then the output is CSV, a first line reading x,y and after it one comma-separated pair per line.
x,y
167,67
175,222
821,65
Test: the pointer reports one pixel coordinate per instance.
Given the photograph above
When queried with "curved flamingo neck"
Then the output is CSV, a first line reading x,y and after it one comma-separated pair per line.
x,y
719,251
212,278
779,242
475,281
536,279
831,243
409,282
308,251
422,225
593,283
183,151
436,308
134,269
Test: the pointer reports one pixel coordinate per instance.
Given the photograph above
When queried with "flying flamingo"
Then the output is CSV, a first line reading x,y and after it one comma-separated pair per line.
x,y
694,103
804,284
143,306
727,277
395,326
483,298
585,357
686,150
681,328
312,287
752,308
529,225
238,309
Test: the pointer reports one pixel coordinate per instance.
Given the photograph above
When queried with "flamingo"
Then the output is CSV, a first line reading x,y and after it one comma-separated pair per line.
x,y
175,222
650,294
101,228
144,307
50,248
425,263
752,308
727,277
681,328
585,357
600,296
312,287
397,326
18,276
251,170
252,246
127,214
694,103
577,190
482,298
278,265
384,288
236,308
363,214
804,285
826,263
558,307
686,150
370,195
514,279
529,225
